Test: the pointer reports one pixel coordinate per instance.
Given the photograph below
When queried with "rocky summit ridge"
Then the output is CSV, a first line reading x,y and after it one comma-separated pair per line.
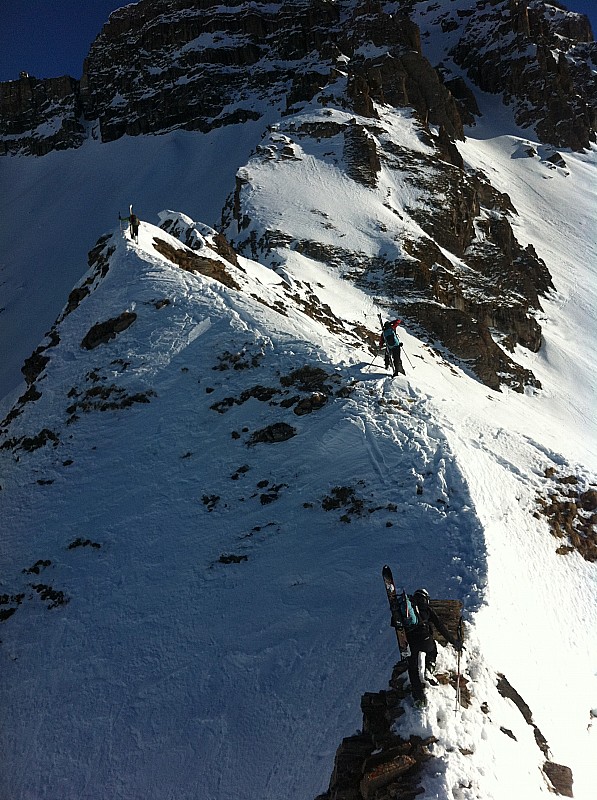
x,y
337,73
329,71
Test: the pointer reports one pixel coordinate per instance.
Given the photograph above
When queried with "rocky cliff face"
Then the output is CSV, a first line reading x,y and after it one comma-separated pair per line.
x,y
159,65
37,116
164,64
542,59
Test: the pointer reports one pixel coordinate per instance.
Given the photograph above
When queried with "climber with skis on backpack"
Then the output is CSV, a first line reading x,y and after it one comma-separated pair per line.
x,y
417,619
133,221
392,344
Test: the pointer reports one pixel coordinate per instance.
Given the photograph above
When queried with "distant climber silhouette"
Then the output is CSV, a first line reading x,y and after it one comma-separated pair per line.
x,y
133,221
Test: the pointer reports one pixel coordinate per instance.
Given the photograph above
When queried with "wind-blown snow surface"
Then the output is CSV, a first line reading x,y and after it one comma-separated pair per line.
x,y
172,674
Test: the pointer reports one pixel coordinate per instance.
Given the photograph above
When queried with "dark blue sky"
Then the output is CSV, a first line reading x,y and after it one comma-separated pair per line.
x,y
48,38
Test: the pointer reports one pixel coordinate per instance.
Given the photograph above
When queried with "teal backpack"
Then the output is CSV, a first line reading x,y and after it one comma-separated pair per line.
x,y
408,611
390,338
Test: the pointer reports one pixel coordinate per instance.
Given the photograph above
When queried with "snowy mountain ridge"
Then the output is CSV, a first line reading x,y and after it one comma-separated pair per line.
x,y
188,594
208,464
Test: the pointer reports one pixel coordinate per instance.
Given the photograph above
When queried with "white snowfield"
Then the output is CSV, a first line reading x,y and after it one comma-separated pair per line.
x,y
215,622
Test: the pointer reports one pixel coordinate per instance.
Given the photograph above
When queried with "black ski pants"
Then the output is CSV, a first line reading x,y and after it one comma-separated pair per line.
x,y
429,647
396,360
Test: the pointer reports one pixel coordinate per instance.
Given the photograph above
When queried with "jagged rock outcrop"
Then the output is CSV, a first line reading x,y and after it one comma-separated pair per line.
x,y
37,116
276,432
192,262
99,263
103,332
570,507
360,154
37,361
400,79
377,763
559,776
538,56
466,216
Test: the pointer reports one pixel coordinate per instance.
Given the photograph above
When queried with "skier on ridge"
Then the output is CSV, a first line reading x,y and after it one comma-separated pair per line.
x,y
392,344
133,221
420,640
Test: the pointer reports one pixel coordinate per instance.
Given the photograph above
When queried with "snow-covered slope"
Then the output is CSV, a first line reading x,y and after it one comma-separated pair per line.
x,y
194,673
208,610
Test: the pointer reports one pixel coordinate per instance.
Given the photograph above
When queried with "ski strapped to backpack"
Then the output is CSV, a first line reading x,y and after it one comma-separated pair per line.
x,y
400,620
458,667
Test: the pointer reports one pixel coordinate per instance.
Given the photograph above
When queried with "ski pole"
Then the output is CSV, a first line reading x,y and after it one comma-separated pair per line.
x,y
407,358
458,667
372,360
